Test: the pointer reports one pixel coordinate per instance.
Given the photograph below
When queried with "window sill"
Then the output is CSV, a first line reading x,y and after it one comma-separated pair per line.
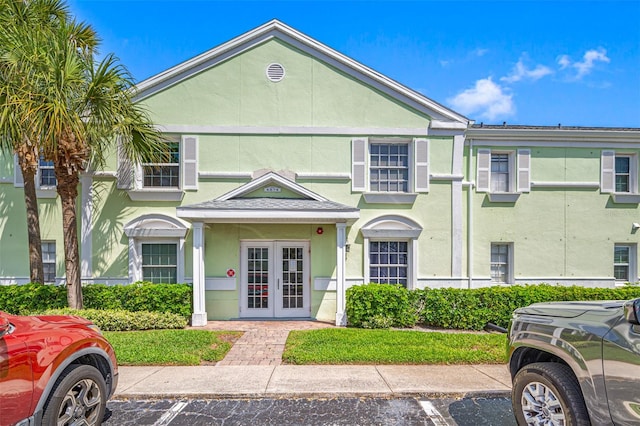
x,y
156,194
503,197
625,198
390,197
46,192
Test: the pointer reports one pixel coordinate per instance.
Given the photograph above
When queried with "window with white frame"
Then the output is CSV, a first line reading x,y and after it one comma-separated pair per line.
x,y
160,263
164,175
500,172
505,174
624,262
390,250
46,173
49,261
389,167
501,263
623,173
619,176
389,262
390,170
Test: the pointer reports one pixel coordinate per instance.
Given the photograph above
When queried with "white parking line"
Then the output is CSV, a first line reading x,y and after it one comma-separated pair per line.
x,y
433,413
170,414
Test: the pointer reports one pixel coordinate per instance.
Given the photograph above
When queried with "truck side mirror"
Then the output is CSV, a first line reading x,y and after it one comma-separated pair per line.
x,y
632,311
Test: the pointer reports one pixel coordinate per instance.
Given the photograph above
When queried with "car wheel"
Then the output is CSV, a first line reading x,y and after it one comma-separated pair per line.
x,y
79,398
548,393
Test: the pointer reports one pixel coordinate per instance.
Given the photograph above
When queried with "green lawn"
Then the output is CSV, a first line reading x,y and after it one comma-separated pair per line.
x,y
358,346
171,347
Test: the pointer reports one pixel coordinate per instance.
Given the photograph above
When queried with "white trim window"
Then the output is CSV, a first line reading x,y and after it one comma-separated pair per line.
x,y
389,262
46,174
163,175
501,263
160,262
49,261
619,173
389,167
623,173
624,262
503,173
390,170
390,250
156,249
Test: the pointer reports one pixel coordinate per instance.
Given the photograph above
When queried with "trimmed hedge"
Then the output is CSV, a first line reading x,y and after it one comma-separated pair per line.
x,y
140,296
379,306
383,306
118,320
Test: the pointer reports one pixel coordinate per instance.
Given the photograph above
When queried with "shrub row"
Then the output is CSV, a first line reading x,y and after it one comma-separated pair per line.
x,y
140,296
380,306
118,320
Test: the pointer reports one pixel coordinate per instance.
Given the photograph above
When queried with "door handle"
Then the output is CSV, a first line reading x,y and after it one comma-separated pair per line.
x,y
278,283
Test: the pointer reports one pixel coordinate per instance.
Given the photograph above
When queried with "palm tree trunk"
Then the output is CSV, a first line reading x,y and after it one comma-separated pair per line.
x,y
36,274
68,191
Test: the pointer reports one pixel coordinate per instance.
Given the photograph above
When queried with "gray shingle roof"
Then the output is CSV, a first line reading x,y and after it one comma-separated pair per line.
x,y
272,204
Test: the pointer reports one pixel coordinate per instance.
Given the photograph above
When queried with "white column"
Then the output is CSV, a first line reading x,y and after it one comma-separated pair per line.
x,y
341,317
199,317
86,246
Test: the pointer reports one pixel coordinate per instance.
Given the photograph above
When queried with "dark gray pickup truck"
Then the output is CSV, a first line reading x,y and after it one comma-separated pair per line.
x,y
576,363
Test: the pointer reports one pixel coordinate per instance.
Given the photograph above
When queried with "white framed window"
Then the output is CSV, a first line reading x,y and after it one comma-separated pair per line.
x,y
163,175
623,173
501,263
160,262
389,262
624,265
49,261
156,249
46,174
501,172
619,176
389,167
390,250
162,181
390,170
504,175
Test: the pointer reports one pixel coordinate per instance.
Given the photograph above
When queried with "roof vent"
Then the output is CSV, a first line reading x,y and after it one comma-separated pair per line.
x,y
275,72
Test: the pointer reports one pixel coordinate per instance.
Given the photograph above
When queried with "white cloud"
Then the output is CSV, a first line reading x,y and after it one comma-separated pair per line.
x,y
487,99
480,52
521,72
588,62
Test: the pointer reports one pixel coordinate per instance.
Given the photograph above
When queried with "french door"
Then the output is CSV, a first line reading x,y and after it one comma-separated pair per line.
x,y
275,279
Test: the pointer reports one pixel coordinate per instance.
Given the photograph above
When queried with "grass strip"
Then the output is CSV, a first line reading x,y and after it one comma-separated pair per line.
x,y
171,347
358,346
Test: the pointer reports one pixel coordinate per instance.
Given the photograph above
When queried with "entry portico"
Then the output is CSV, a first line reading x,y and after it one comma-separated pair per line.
x,y
274,271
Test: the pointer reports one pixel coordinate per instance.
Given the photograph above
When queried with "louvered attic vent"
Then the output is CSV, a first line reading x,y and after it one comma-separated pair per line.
x,y
275,72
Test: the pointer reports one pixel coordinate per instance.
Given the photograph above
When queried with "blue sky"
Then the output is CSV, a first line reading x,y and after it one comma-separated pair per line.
x,y
537,63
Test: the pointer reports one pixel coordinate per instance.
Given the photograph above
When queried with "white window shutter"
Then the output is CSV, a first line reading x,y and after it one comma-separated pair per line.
x,y
189,161
18,179
125,178
421,156
524,170
608,171
484,170
359,164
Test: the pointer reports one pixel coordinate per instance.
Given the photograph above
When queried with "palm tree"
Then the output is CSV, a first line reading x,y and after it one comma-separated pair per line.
x,y
79,108
21,24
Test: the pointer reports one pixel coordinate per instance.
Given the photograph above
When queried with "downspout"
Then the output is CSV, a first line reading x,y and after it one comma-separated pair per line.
x,y
470,217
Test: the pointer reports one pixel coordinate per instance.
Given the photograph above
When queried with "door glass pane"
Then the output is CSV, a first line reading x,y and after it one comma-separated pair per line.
x,y
258,278
292,278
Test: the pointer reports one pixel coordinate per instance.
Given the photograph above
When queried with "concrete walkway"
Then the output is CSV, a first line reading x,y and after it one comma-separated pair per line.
x,y
252,369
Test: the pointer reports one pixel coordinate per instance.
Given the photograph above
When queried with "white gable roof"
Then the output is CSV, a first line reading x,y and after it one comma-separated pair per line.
x,y
442,117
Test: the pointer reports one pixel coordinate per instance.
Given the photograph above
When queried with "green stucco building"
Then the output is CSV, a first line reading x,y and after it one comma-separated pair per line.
x,y
298,172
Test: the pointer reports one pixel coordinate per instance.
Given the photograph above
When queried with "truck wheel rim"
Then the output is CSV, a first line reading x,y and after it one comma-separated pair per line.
x,y
541,406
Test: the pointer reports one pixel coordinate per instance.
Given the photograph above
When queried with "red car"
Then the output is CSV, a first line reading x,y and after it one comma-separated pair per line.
x,y
54,370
